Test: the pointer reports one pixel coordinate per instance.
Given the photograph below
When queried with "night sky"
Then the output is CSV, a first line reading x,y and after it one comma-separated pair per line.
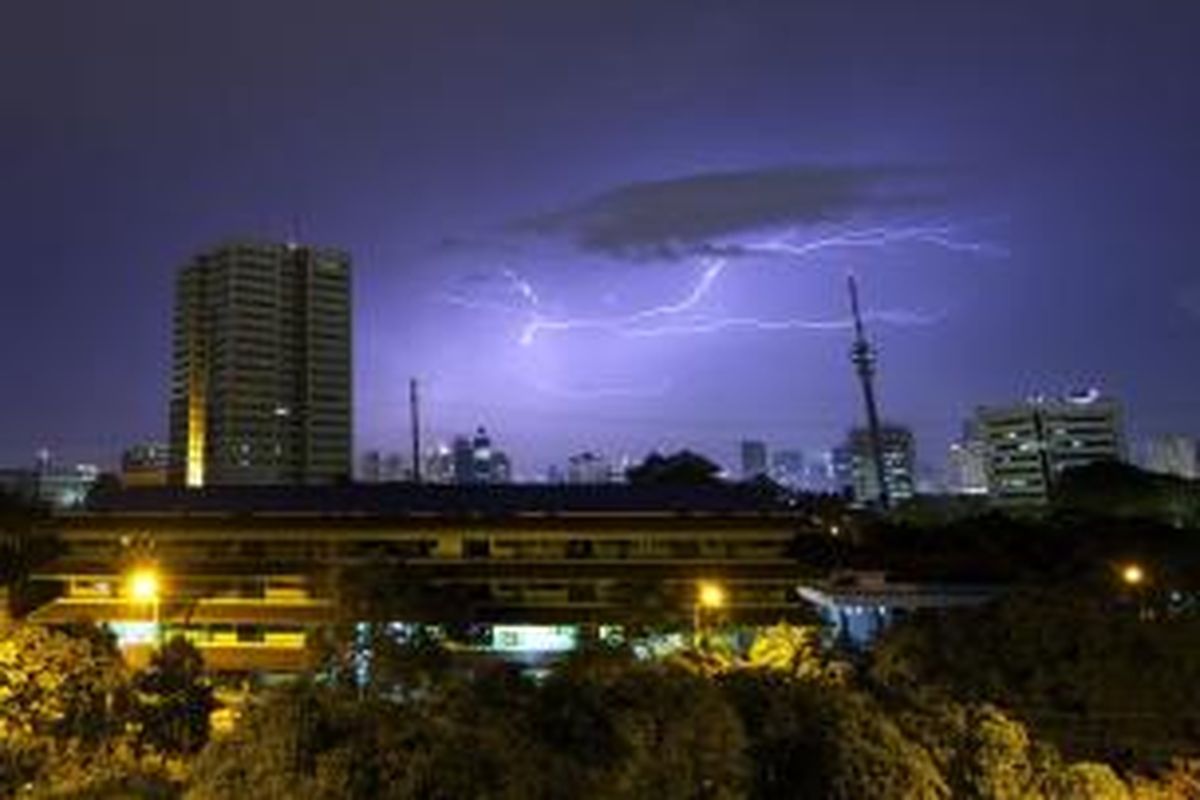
x,y
572,219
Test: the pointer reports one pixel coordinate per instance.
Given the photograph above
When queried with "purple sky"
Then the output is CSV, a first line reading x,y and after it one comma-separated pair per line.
x,y
555,171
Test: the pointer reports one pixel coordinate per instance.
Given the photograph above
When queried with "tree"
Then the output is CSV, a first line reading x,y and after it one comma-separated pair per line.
x,y
811,739
791,649
173,700
614,726
58,693
683,468
1078,666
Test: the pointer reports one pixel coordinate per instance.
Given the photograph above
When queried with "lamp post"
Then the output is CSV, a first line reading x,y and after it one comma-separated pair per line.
x,y
1133,575
710,596
144,586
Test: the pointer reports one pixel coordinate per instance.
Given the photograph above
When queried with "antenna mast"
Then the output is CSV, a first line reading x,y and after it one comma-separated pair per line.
x,y
414,417
863,358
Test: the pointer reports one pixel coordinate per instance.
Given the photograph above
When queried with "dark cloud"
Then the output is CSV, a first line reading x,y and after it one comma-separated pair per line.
x,y
669,218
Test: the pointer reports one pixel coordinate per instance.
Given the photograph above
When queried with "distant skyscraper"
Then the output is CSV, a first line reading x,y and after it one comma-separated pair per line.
x,y
1030,444
899,464
967,463
475,460
1174,455
589,468
789,469
841,469
261,383
754,459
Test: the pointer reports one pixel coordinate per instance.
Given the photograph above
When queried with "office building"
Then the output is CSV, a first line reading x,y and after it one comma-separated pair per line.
x,y
899,464
754,459
1173,455
1030,444
145,464
789,469
475,461
967,463
261,383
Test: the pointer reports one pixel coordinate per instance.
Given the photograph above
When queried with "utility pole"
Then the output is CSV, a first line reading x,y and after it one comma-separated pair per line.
x,y
863,358
414,416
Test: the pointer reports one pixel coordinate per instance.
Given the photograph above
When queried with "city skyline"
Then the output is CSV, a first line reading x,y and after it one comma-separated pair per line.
x,y
659,267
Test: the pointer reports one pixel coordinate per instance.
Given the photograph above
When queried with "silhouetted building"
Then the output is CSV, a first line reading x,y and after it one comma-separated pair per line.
x,y
145,464
1173,455
899,464
261,383
589,468
379,467
1030,444
754,459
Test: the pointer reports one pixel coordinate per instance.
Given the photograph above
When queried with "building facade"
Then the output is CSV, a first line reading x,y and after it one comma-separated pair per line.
x,y
899,464
1030,444
967,463
754,459
261,387
252,575
145,464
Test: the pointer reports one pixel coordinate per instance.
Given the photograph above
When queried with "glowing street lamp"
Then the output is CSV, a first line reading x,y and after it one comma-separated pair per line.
x,y
1133,575
144,586
710,596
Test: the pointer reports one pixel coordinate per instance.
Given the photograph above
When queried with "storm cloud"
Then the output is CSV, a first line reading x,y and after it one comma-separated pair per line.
x,y
670,218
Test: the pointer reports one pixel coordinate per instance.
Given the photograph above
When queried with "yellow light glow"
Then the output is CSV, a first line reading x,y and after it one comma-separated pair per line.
x,y
143,585
1133,574
711,595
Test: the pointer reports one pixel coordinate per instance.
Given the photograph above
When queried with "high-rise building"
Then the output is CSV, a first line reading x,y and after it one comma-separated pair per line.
x,y
967,463
475,460
1174,455
1030,444
754,459
789,469
899,464
261,383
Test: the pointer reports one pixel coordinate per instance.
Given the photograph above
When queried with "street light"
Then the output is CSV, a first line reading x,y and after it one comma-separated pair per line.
x,y
710,596
144,585
1133,575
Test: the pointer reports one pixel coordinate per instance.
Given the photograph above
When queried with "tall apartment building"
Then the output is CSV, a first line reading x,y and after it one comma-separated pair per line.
x,y
1029,445
754,459
262,372
967,463
899,464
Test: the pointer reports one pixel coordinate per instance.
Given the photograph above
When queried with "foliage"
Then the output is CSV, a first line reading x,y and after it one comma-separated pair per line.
x,y
58,693
173,700
811,739
1114,488
1081,668
683,468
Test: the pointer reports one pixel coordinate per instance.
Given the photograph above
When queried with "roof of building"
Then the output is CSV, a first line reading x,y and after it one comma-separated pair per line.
x,y
403,499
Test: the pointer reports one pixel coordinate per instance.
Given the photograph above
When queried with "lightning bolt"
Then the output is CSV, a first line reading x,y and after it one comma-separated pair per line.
x,y
681,318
